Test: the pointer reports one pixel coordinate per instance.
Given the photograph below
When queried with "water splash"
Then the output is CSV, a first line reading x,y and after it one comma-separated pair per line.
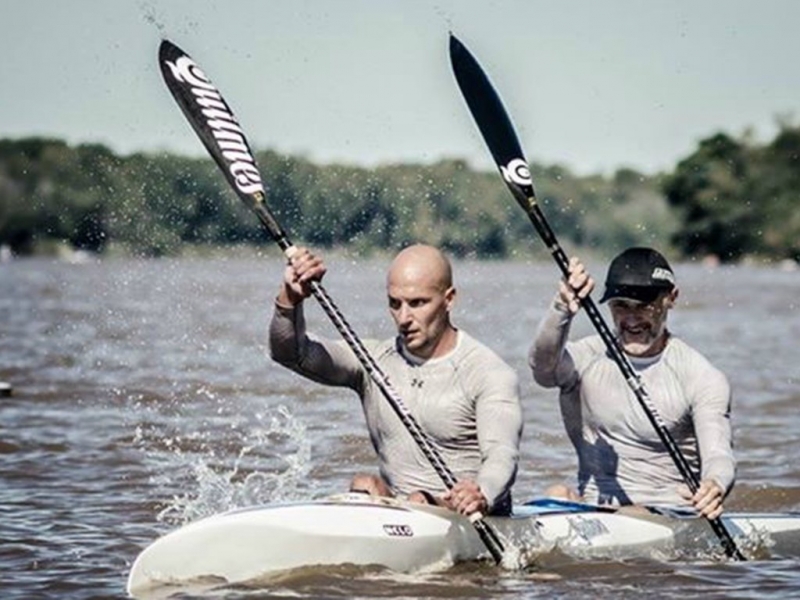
x,y
214,490
235,460
445,15
523,548
150,16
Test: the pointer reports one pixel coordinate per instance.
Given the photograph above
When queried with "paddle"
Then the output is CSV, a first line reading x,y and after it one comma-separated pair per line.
x,y
221,134
498,132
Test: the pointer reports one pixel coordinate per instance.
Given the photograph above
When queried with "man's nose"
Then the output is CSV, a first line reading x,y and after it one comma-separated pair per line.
x,y
404,314
631,317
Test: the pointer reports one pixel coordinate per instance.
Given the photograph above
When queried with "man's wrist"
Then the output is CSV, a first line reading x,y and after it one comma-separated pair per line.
x,y
287,298
561,306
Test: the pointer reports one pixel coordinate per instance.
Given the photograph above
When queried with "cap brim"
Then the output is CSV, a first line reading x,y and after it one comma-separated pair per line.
x,y
640,293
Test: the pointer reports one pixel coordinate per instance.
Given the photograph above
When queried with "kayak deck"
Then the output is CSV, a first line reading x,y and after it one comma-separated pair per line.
x,y
247,543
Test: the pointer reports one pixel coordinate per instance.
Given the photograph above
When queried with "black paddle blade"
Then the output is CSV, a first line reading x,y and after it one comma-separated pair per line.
x,y
212,119
493,121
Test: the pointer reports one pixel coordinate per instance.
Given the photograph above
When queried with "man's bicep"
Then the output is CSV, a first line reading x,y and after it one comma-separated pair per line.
x,y
499,411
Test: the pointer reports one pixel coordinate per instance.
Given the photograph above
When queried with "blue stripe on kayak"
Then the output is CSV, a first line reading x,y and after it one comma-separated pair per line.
x,y
544,506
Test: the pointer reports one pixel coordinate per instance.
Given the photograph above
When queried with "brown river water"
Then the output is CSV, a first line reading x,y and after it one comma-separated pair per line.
x,y
143,398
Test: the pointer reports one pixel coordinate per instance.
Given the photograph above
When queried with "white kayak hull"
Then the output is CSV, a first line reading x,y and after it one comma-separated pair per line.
x,y
244,544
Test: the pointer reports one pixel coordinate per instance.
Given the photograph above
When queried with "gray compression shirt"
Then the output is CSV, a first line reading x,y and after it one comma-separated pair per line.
x,y
467,402
621,460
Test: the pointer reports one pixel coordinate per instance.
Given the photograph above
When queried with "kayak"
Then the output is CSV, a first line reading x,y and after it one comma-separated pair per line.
x,y
356,529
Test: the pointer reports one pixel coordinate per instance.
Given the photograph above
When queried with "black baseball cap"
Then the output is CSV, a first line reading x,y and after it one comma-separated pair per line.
x,y
638,274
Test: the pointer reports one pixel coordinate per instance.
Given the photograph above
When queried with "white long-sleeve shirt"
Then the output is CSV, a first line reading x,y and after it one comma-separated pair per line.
x,y
621,459
467,402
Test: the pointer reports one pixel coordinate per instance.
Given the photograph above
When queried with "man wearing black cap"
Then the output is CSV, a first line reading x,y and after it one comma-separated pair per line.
x,y
621,459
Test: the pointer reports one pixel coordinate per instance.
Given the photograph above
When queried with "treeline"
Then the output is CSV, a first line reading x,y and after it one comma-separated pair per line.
x,y
735,198
730,198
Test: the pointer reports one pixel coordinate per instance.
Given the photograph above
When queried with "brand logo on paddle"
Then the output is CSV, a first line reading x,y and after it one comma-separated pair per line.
x,y
221,123
517,171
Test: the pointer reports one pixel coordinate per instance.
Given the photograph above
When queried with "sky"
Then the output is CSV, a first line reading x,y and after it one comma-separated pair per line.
x,y
591,85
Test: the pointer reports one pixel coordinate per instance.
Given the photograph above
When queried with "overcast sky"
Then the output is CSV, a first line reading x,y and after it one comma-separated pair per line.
x,y
593,85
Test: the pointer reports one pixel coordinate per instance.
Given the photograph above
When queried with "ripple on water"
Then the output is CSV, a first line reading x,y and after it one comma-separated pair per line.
x,y
154,396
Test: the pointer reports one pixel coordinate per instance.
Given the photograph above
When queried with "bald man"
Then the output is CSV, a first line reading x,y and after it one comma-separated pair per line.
x,y
461,393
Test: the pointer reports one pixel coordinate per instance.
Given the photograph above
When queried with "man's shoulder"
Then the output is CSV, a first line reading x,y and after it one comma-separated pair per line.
x,y
686,359
475,351
678,349
587,349
381,348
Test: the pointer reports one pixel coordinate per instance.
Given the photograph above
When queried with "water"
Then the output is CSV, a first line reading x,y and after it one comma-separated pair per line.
x,y
144,398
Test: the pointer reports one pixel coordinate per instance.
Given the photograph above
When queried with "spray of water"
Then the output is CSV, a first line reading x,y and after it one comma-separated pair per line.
x,y
215,490
149,15
235,460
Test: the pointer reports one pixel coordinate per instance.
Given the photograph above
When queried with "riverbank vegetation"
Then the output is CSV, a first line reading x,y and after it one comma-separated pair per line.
x,y
730,198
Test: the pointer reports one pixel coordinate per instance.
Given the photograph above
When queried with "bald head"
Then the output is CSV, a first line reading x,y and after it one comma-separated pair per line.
x,y
420,291
423,264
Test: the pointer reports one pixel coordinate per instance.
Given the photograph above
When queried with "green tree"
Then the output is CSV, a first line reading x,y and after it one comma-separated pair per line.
x,y
708,188
775,195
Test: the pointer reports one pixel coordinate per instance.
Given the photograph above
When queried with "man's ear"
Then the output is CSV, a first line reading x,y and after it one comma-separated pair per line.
x,y
450,297
672,298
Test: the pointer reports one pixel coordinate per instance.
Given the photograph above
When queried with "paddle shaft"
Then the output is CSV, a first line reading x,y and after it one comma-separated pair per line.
x,y
212,119
498,132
